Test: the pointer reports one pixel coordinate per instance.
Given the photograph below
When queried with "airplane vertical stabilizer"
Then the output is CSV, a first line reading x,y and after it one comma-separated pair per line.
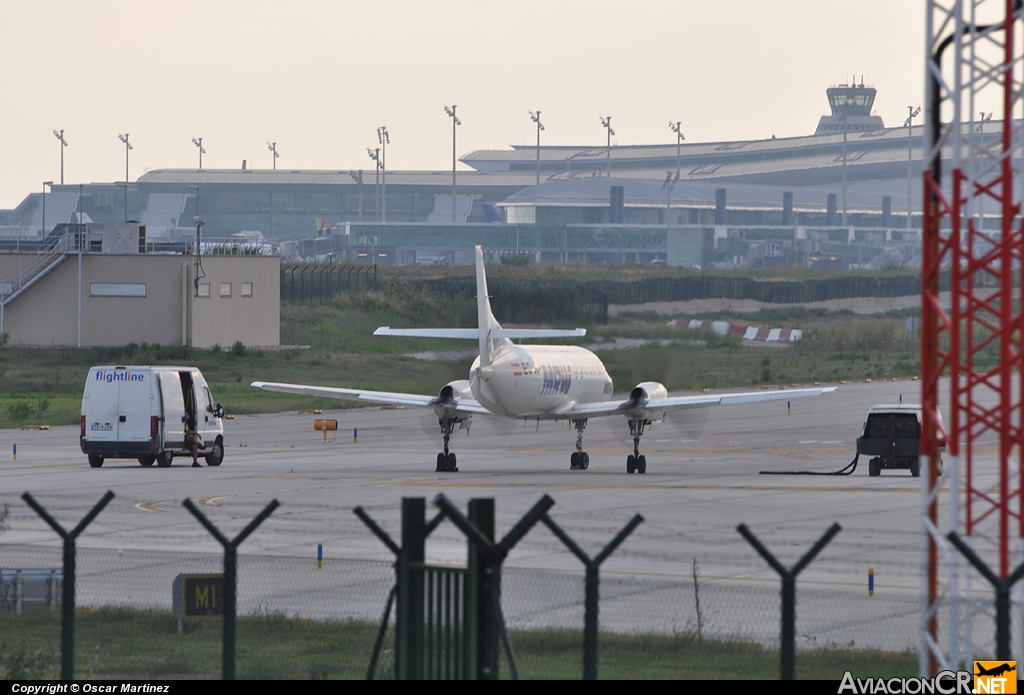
x,y
485,319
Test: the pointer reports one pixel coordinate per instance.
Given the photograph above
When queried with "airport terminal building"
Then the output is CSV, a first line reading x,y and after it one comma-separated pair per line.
x,y
853,181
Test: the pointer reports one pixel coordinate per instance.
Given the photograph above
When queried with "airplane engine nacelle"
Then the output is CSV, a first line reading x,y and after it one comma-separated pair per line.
x,y
455,391
648,391
451,393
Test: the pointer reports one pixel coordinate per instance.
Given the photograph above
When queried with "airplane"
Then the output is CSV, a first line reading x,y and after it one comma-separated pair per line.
x,y
534,382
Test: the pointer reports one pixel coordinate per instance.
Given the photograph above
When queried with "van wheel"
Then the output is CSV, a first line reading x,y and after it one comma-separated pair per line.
x,y
164,459
216,455
147,460
95,460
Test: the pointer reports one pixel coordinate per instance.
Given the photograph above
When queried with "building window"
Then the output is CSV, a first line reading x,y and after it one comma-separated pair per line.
x,y
225,289
246,289
204,289
117,289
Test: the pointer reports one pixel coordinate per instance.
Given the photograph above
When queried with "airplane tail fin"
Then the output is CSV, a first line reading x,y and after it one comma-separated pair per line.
x,y
485,321
488,331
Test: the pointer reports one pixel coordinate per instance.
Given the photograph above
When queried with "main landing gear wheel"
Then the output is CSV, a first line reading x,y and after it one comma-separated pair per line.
x,y
580,460
446,459
636,462
446,463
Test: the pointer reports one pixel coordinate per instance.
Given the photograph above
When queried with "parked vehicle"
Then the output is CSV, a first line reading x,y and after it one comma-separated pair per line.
x,y
892,437
142,412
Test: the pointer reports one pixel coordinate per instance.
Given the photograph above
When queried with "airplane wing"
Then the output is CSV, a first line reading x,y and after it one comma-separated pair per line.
x,y
463,405
637,408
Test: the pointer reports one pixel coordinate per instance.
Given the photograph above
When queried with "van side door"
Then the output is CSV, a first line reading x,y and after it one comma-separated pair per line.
x,y
173,410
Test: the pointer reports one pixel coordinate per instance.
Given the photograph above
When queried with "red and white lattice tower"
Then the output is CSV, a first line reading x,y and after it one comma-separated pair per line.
x,y
973,342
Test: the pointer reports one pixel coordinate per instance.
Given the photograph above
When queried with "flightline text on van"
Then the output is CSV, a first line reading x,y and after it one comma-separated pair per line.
x,y
945,683
53,688
119,376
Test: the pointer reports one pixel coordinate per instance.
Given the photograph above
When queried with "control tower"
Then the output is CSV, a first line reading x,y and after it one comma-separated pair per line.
x,y
855,102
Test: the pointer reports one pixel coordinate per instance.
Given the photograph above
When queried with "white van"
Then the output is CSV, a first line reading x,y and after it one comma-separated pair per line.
x,y
141,412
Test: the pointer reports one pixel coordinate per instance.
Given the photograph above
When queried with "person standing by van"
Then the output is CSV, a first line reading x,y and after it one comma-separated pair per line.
x,y
192,440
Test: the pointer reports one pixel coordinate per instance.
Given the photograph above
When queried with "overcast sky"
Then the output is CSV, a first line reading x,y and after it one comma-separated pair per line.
x,y
319,77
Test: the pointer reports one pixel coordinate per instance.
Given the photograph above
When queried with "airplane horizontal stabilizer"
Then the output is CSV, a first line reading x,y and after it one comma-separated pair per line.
x,y
473,333
515,333
457,333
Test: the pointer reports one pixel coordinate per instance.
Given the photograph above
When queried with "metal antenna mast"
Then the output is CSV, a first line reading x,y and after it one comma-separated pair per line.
x,y
972,341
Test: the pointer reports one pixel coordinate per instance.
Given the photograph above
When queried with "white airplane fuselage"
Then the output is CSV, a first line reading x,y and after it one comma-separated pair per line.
x,y
539,381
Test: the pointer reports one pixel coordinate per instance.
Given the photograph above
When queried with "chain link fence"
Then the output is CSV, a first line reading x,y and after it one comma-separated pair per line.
x,y
677,601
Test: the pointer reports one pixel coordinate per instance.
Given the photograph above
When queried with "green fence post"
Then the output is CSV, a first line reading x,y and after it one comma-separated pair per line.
x,y
787,649
1002,588
592,586
230,576
481,658
67,616
409,623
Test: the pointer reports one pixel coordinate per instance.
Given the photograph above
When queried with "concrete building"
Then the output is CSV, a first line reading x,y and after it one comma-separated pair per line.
x,y
59,296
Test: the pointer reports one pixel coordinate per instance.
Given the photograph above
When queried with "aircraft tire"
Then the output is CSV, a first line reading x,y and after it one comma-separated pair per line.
x,y
441,464
631,464
874,468
450,464
584,461
641,464
574,461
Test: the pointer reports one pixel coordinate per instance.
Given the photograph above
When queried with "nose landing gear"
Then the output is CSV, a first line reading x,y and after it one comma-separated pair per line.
x,y
580,460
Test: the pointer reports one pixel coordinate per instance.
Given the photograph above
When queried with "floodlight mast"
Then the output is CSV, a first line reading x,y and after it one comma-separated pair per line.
x,y
272,146
677,128
375,156
670,182
455,122
910,154
535,117
383,138
607,123
127,146
198,142
63,143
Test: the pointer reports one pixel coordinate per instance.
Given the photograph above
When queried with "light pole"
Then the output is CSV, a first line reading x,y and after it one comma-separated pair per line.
x,y
383,138
981,200
198,142
63,143
358,178
535,117
670,183
272,146
607,123
45,184
910,145
677,128
127,147
455,122
375,156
